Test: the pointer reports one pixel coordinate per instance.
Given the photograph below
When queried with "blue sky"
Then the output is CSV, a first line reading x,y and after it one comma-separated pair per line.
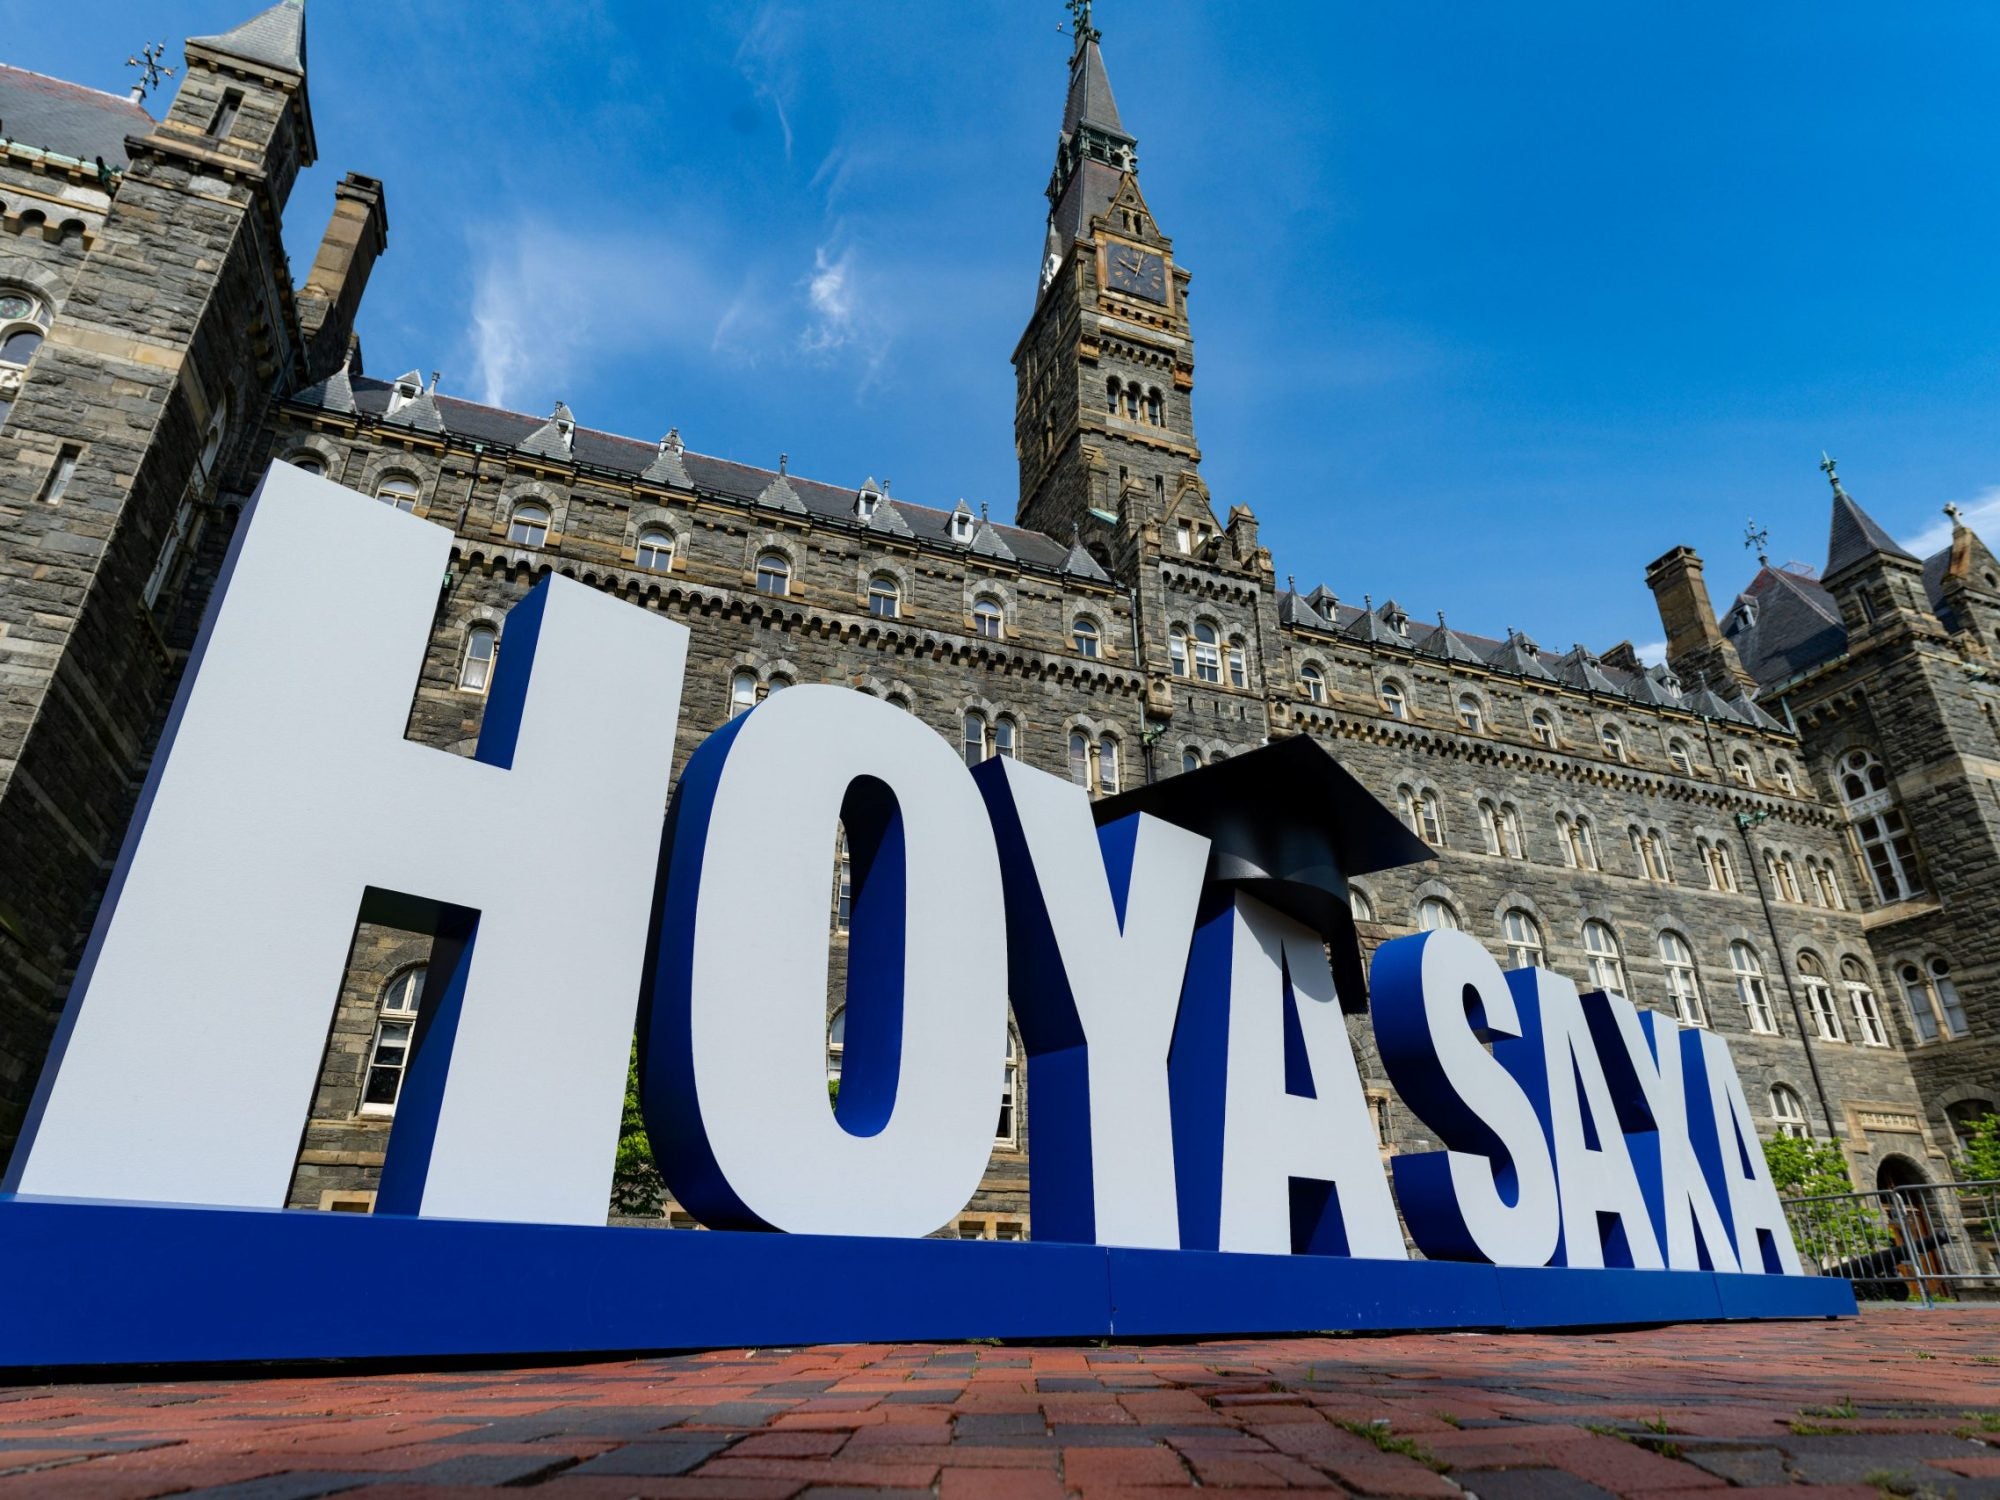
x,y
1493,304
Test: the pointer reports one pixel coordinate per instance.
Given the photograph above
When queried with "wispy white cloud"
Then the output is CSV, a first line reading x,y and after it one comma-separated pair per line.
x,y
1981,513
767,59
1652,653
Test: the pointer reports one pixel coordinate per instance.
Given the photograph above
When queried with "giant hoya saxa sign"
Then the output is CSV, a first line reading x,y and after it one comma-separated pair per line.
x,y
1180,961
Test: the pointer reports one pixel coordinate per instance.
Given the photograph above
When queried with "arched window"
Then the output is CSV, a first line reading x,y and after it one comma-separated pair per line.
x,y
1681,756
1788,1112
774,573
1613,741
1751,989
1425,815
1785,877
308,463
1586,845
655,552
1239,672
1007,1133
400,492
1314,682
22,319
885,596
1394,703
1787,783
1359,906
1084,633
1435,914
475,671
976,747
1510,832
1683,986
1470,718
988,619
1489,825
1721,868
1886,850
1112,390
836,1049
1819,998
211,444
529,526
776,683
1132,400
1739,767
1156,407
1566,836
1003,736
1079,757
899,701
1207,653
1107,765
843,884
1190,759
1524,939
1861,1001
1827,887
1935,1009
1602,959
1649,851
389,1053
1177,650
1543,727
742,693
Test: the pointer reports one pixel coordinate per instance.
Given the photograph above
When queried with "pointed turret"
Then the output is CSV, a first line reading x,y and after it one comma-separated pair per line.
x,y
1878,586
1095,150
1854,536
274,38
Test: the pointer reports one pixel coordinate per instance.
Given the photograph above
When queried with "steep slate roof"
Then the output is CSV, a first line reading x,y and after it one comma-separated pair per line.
x,y
1789,625
275,37
629,459
1854,536
1090,101
82,124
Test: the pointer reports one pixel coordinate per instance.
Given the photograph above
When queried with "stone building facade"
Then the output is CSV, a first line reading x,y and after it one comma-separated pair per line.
x,y
1678,833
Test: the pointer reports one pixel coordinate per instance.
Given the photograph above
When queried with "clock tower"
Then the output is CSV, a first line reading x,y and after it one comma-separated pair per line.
x,y
1104,374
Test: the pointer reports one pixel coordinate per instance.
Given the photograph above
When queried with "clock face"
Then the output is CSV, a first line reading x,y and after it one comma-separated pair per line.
x,y
1138,272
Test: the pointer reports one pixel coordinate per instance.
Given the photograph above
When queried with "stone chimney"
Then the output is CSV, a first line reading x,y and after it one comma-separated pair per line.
x,y
1697,650
357,233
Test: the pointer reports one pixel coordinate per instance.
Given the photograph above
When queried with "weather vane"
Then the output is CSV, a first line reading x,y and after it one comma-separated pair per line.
x,y
1830,466
150,71
1079,16
1758,540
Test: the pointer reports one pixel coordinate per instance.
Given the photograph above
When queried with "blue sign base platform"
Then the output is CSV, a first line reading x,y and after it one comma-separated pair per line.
x,y
96,1284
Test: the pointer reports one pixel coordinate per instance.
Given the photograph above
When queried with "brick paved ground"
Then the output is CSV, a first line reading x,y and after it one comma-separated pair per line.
x,y
1901,1402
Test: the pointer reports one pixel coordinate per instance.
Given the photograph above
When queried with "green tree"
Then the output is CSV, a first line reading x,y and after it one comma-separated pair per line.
x,y
1838,1228
1980,1161
636,1189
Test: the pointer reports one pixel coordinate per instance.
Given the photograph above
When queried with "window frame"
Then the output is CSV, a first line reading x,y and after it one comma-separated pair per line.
x,y
1753,990
406,986
772,564
524,530
657,539
1683,977
487,661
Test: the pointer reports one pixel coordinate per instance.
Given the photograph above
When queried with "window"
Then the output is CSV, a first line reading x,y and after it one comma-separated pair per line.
x,y
389,1053
1489,824
1788,1111
1739,767
399,492
1819,998
774,574
836,1050
1314,682
1177,650
975,739
1359,906
1683,987
1239,672
1681,756
1566,836
530,526
1084,634
1784,875
1649,852
1007,1132
1393,702
1601,958
1613,741
18,307
225,114
1524,939
742,693
61,472
1721,869
1184,536
1787,783
655,553
1156,407
777,684
308,463
1935,1008
1886,850
1543,728
1107,765
843,885
1470,719
1502,826
1207,653
1751,989
163,567
1079,758
1861,1000
1003,737
475,672
885,597
961,525
1094,763
1586,845
1578,846
1190,760
987,617
1826,889
1435,914
1424,814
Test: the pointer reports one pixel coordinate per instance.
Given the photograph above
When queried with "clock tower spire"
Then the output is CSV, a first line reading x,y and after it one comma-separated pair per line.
x,y
1104,374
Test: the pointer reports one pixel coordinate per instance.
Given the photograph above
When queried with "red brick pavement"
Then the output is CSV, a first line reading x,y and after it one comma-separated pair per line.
x,y
1902,1402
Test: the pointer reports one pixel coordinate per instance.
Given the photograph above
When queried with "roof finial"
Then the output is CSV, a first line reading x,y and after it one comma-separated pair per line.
x,y
783,459
1758,538
1079,23
1957,516
150,71
1291,583
1830,466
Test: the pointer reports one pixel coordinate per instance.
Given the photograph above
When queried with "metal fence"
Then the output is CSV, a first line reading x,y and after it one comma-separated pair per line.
x,y
1930,1241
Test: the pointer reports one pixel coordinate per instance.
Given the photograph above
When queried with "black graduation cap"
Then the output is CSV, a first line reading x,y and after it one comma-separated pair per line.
x,y
1289,825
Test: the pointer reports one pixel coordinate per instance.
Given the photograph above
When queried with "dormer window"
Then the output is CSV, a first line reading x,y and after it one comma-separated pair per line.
x,y
866,504
961,526
1184,535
